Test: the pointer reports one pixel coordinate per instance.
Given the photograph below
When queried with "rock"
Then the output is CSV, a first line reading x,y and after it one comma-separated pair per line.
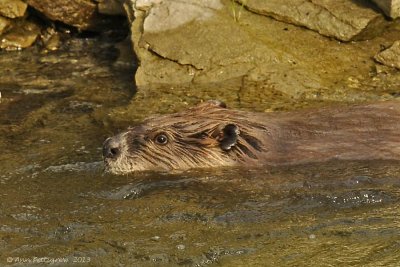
x,y
4,24
390,7
110,7
390,56
186,41
189,51
51,39
79,13
342,19
12,8
22,35
164,71
183,12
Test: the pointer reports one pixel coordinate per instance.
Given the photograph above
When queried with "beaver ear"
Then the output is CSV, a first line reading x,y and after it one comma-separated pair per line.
x,y
227,136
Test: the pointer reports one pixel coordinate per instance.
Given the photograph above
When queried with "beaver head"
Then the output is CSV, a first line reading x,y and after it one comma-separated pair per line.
x,y
207,135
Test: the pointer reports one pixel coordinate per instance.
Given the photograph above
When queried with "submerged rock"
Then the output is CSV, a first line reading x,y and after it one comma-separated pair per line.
x,y
390,56
341,19
12,8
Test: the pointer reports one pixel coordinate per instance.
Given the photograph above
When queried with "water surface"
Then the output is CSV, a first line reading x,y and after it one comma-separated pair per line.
x,y
57,204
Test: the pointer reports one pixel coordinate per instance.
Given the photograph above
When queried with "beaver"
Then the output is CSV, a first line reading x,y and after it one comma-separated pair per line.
x,y
211,135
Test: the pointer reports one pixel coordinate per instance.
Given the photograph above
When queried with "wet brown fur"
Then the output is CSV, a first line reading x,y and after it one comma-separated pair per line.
x,y
210,135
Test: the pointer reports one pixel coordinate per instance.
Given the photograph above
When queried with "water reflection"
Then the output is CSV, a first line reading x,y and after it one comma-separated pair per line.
x,y
56,201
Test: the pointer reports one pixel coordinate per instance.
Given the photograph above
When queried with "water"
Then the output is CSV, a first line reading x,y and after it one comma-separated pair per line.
x,y
324,215
57,204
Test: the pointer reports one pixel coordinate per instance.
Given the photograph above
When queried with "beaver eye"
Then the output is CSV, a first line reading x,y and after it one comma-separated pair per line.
x,y
161,139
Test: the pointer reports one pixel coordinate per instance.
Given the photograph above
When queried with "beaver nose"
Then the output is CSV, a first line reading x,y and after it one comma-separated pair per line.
x,y
111,148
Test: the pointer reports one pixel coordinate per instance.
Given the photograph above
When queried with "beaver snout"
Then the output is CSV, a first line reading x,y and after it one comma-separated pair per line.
x,y
111,148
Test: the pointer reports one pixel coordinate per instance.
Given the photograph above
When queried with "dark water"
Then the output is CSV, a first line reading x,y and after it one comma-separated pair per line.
x,y
57,206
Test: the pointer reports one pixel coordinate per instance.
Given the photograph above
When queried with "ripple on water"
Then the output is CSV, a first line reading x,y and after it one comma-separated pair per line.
x,y
56,200
76,167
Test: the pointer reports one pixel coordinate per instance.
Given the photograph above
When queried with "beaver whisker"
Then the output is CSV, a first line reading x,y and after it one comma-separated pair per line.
x,y
150,158
165,159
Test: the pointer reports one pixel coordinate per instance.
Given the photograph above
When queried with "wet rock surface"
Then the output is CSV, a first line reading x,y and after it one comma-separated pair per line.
x,y
390,56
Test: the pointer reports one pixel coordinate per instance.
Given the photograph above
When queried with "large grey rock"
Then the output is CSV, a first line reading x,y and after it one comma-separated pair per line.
x,y
12,8
194,42
342,19
390,7
390,56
